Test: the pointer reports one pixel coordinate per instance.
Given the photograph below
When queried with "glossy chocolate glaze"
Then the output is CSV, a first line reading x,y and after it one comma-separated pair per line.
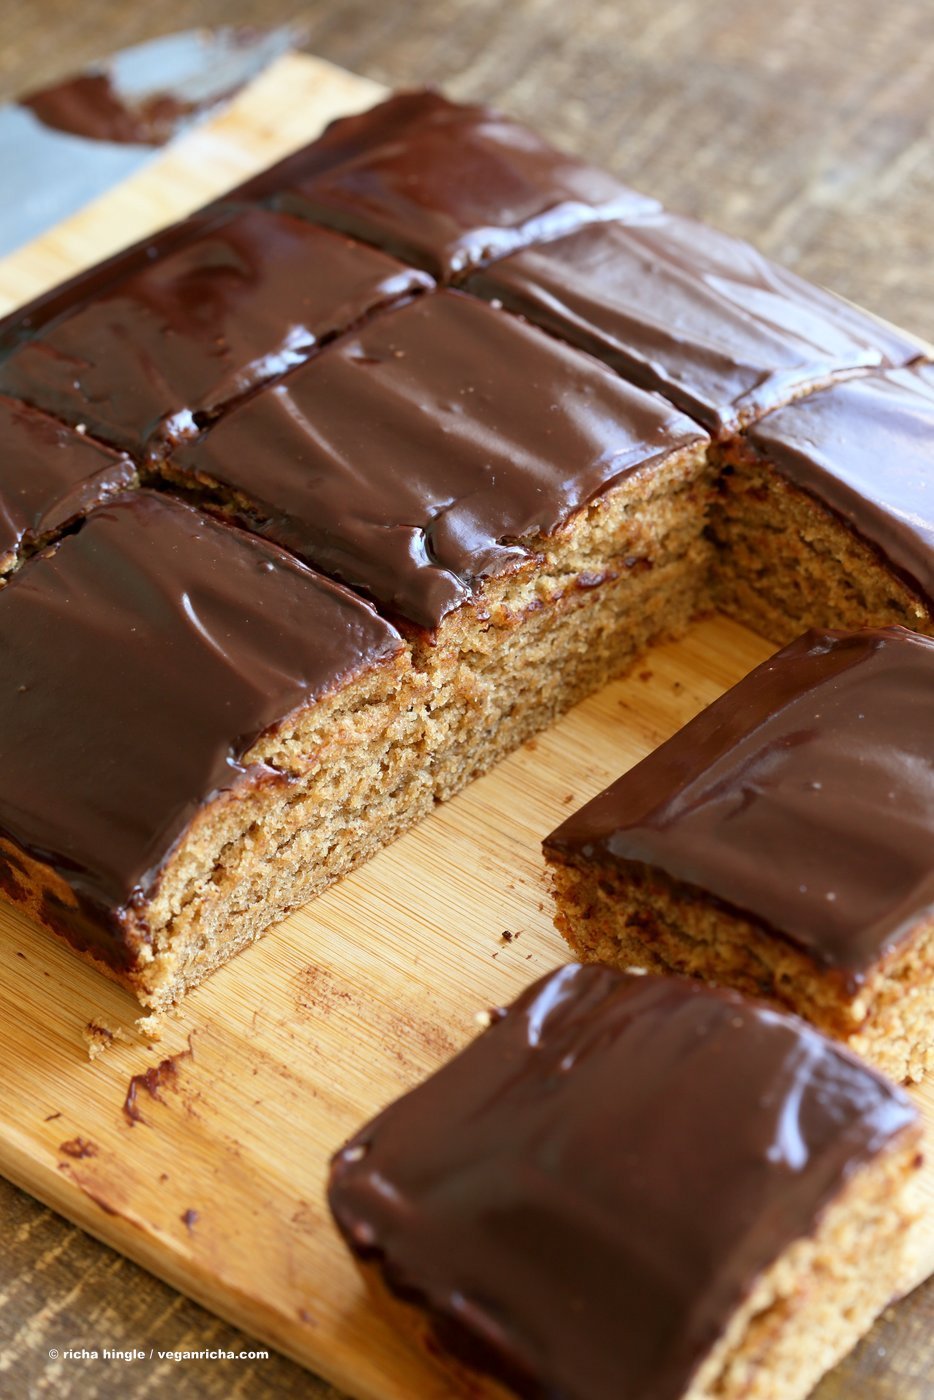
x,y
49,476
443,185
412,459
141,661
583,1197
803,798
158,340
865,448
63,299
699,316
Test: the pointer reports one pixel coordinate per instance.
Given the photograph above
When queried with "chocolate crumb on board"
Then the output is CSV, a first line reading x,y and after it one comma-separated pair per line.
x,y
100,1037
78,1147
153,1080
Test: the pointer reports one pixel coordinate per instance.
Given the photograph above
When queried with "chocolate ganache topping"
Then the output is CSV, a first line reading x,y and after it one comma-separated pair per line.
x,y
699,316
141,661
415,458
865,448
583,1197
803,798
49,476
441,184
162,338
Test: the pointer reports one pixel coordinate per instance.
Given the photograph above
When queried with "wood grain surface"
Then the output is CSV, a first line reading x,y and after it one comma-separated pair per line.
x,y
806,130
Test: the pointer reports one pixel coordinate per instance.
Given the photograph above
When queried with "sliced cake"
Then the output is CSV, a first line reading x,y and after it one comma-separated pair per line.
x,y
527,518
781,843
693,313
638,1186
824,513
197,733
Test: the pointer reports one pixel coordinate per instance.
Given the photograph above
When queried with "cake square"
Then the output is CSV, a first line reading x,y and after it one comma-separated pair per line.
x,y
781,843
153,343
197,733
413,459
49,476
441,184
639,1186
699,316
825,510
527,518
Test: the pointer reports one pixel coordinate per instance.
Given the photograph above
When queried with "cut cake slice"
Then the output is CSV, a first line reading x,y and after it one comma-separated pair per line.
x,y
197,734
638,1186
781,843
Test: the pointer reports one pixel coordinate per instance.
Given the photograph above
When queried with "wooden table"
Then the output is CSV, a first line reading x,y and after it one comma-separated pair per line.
x,y
809,131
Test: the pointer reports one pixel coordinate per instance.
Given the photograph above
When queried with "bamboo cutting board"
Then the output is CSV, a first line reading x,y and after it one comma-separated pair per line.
x,y
205,1157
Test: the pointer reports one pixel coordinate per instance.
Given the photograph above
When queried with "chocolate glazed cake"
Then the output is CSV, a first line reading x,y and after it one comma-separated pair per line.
x,y
638,1186
699,316
515,519
781,843
239,731
526,518
50,476
824,513
443,185
153,344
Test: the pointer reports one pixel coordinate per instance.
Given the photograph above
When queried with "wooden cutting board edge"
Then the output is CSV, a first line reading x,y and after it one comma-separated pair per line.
x,y
280,111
